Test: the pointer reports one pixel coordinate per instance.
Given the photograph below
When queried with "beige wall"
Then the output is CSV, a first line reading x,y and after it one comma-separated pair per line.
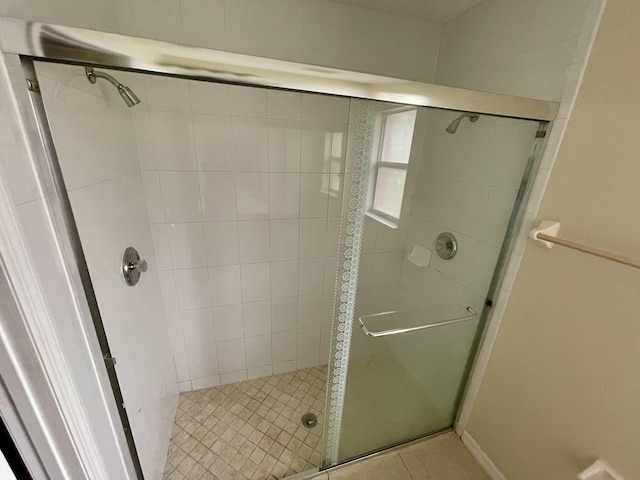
x,y
563,383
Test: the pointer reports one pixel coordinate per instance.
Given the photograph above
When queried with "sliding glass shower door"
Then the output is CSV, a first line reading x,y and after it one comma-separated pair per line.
x,y
428,197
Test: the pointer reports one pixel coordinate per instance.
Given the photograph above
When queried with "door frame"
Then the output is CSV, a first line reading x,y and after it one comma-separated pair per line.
x,y
29,41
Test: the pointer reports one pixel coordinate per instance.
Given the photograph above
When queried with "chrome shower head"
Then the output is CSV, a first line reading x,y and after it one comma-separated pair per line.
x,y
130,98
453,126
125,92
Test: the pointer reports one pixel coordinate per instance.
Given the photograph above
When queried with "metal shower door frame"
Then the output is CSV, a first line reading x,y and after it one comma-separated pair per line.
x,y
54,43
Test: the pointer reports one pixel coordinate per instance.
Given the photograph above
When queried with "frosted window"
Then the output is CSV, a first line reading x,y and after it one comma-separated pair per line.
x,y
394,151
389,191
398,133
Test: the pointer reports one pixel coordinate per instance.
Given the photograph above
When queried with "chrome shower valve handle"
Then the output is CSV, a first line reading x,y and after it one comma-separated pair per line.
x,y
133,266
139,265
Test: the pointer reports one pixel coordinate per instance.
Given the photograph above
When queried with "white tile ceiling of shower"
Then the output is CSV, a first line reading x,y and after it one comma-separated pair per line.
x,y
244,189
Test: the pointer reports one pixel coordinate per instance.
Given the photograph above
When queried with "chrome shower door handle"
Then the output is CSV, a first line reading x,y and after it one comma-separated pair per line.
x,y
133,266
394,331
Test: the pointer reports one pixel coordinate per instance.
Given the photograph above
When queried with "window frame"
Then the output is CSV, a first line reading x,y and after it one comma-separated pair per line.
x,y
377,162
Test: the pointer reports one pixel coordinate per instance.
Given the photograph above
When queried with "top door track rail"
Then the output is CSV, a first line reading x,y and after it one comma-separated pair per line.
x,y
58,43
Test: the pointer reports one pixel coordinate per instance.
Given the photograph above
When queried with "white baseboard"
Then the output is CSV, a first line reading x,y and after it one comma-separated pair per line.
x,y
481,457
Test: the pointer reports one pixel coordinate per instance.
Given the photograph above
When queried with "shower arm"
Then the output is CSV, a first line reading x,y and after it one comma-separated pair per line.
x,y
92,76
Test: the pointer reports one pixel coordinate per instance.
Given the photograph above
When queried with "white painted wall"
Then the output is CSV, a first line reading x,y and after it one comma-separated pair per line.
x,y
319,32
96,144
94,14
515,48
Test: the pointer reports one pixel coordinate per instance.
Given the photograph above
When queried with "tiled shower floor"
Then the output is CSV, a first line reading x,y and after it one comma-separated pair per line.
x,y
248,430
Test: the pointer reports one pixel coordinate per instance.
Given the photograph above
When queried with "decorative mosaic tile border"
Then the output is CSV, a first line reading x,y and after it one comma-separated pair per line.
x,y
356,184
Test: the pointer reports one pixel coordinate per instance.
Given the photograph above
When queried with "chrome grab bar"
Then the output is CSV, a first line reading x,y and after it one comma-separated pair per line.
x,y
394,331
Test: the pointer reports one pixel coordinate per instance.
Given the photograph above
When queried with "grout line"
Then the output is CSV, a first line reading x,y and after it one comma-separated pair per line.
x,y
406,466
105,180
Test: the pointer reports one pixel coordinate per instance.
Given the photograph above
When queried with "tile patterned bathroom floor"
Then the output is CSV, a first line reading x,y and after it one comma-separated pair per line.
x,y
439,458
248,430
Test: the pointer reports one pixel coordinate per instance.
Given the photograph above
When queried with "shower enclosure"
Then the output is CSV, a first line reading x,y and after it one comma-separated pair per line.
x,y
292,228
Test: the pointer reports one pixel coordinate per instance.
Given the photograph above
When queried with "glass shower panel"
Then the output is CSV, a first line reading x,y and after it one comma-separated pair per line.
x,y
404,385
392,379
232,195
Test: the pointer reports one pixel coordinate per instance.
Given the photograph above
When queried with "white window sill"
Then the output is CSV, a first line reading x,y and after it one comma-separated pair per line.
x,y
384,220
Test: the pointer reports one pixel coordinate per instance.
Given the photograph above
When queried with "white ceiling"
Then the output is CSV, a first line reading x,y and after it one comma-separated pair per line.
x,y
440,11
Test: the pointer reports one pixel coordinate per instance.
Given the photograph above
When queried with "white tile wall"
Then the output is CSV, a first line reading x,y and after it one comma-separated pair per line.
x,y
218,196
222,243
284,195
313,233
245,211
173,139
284,279
256,281
228,322
284,314
250,143
284,146
197,326
464,183
213,139
284,239
231,356
203,361
252,195
467,184
180,196
254,241
186,243
257,318
225,285
258,350
192,288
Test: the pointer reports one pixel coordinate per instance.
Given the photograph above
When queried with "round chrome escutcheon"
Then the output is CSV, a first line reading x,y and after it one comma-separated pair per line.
x,y
446,246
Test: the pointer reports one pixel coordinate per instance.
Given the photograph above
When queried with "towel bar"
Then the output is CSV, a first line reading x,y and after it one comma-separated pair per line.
x,y
395,331
547,227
